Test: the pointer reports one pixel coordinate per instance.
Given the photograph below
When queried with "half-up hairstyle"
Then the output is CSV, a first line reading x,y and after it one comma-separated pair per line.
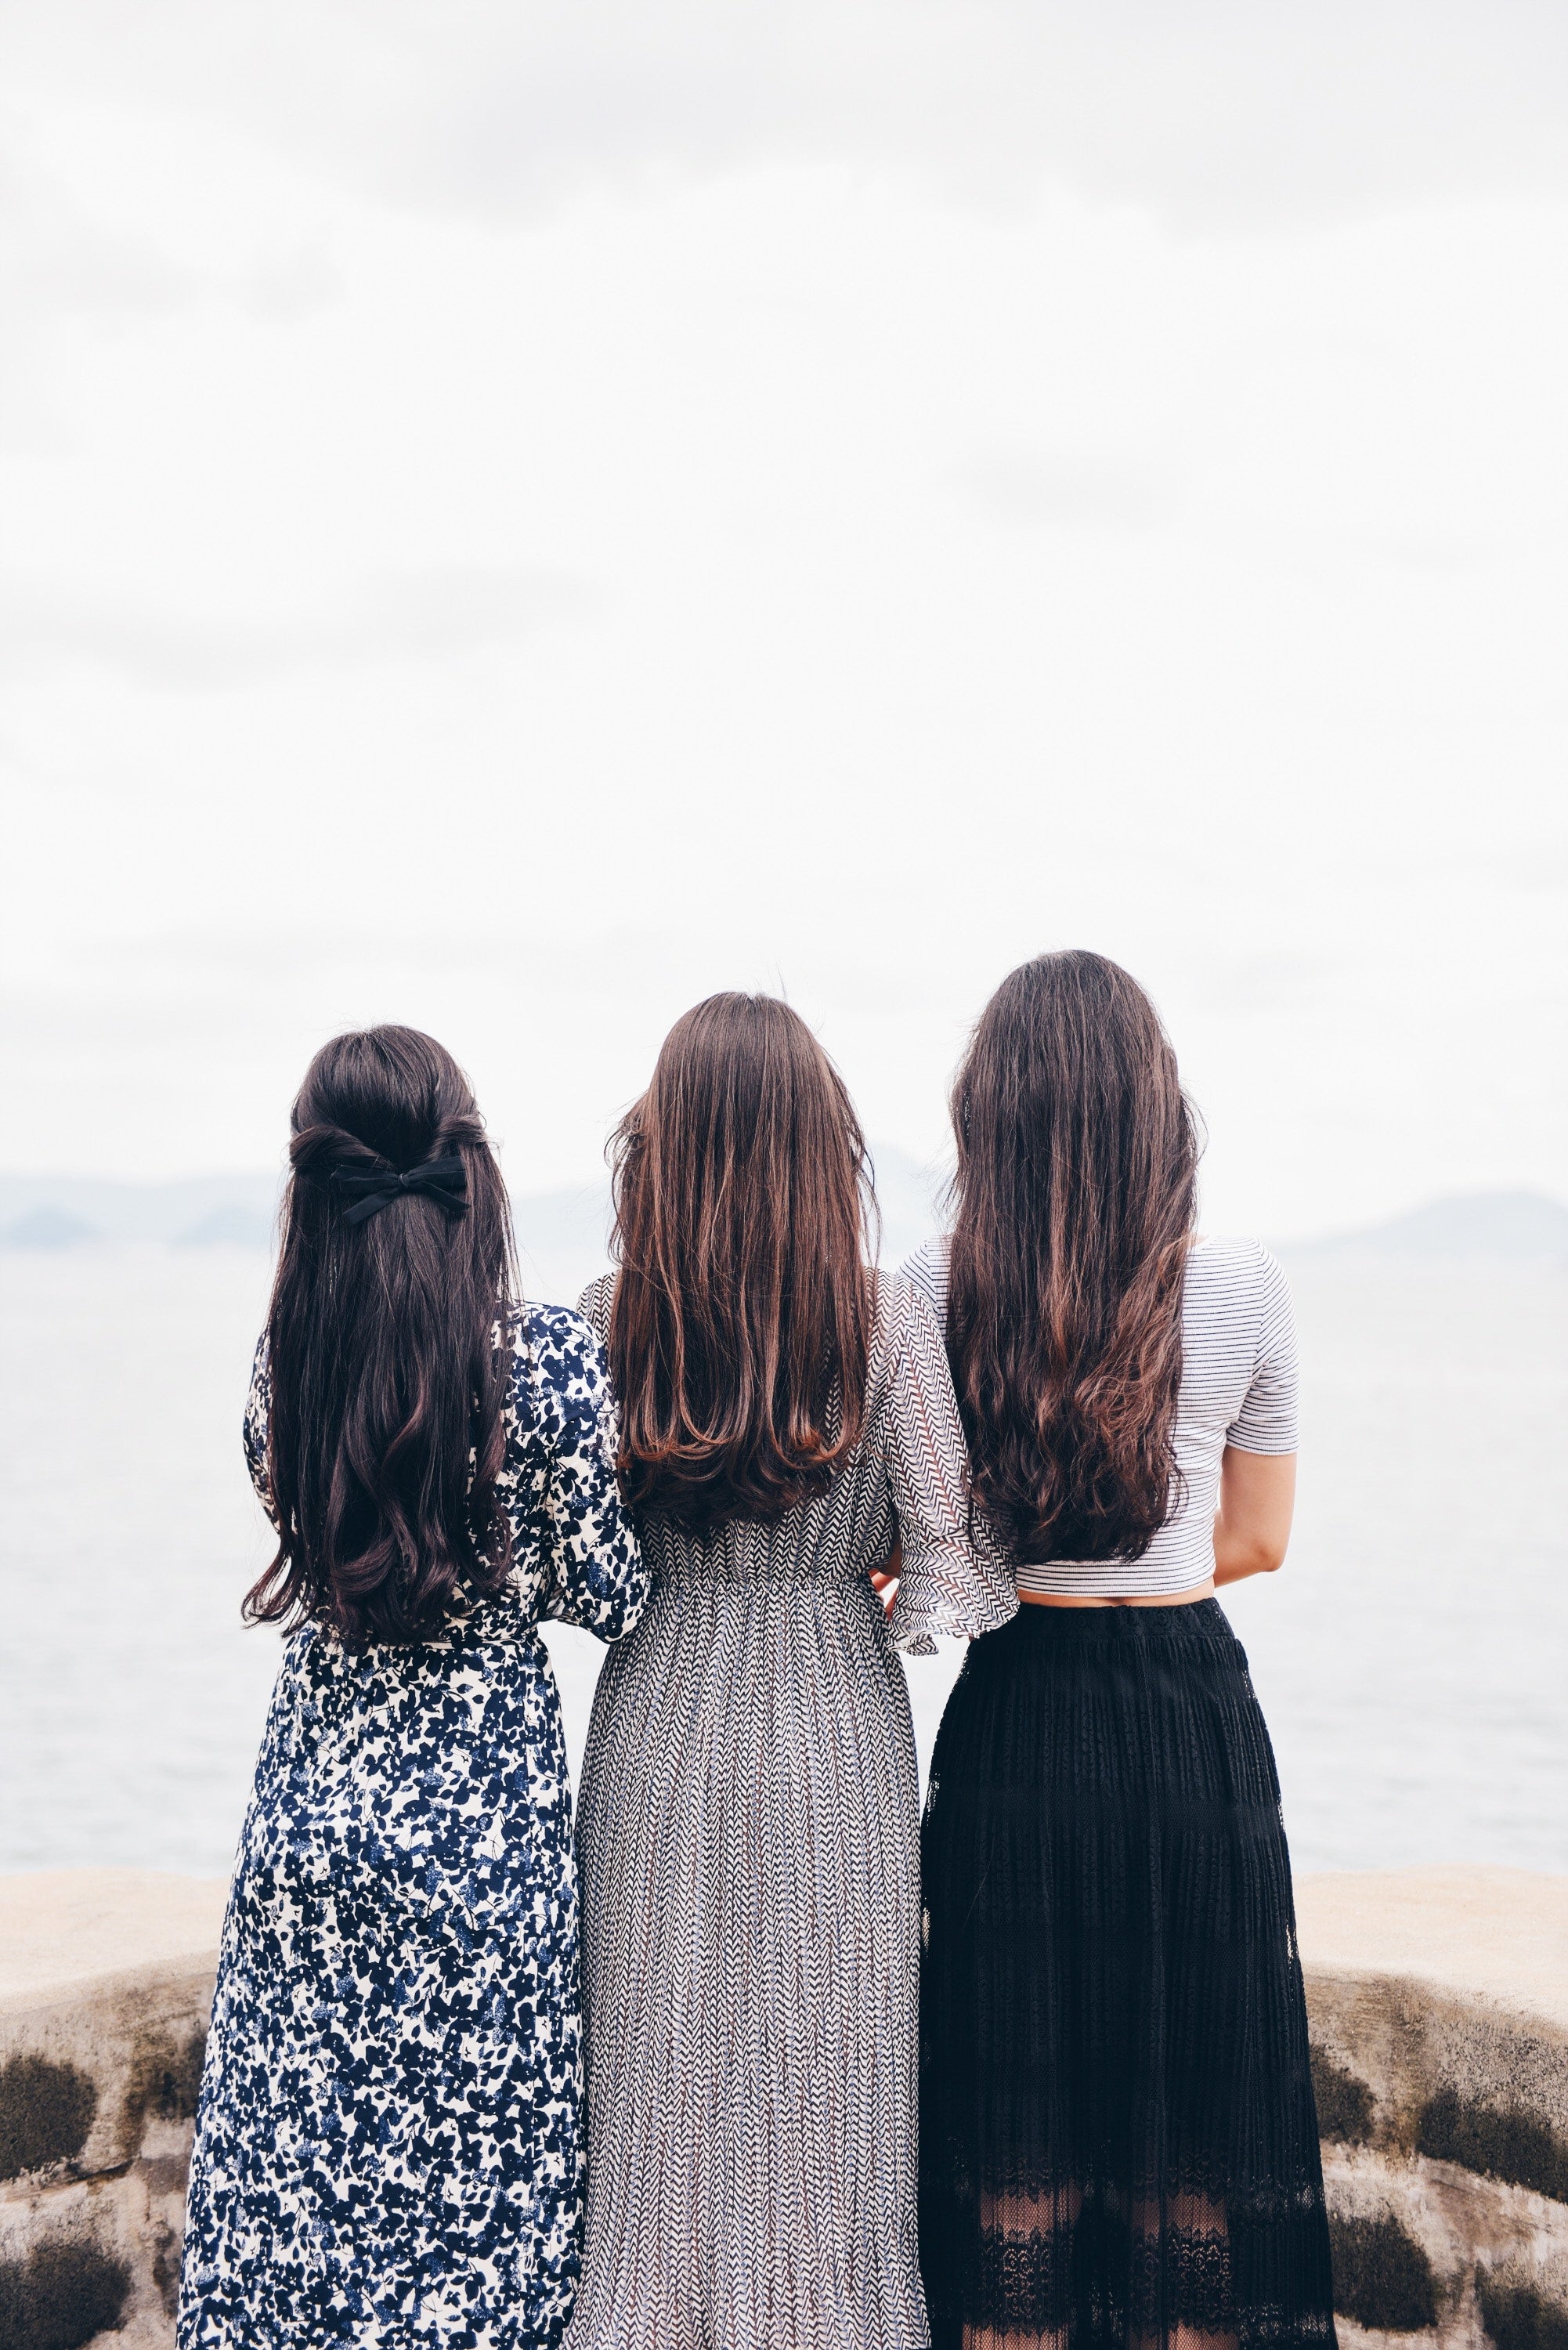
x,y
385,1436
1074,1199
740,1325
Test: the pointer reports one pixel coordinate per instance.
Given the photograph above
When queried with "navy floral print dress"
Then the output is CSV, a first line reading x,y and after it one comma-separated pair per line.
x,y
388,2150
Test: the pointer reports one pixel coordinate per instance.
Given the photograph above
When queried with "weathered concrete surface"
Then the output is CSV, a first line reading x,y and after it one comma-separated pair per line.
x,y
1439,2004
1438,2001
106,1986
1501,1933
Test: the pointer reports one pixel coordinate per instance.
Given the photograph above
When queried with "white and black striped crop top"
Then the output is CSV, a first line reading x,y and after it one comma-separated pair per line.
x,y
1238,1386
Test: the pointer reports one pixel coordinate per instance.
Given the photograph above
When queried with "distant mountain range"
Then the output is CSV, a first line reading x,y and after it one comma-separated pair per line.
x,y
64,1211
563,1232
50,1211
1520,1225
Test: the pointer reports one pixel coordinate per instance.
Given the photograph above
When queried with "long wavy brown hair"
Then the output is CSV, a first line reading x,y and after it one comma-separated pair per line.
x,y
742,1316
1074,1199
385,1437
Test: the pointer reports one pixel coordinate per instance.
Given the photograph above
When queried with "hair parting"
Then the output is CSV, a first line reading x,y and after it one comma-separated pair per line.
x,y
1073,1200
385,1437
741,1323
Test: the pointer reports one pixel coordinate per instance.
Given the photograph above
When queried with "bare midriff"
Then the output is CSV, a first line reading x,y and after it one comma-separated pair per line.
x,y
1133,1598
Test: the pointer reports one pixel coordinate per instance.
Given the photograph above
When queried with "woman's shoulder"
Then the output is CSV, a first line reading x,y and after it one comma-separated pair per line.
x,y
906,1315
926,1271
552,1330
1235,1288
557,1364
1224,1260
595,1304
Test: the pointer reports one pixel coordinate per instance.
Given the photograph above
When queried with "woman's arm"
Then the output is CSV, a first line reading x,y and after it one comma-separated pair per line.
x,y
1253,1523
1258,1467
953,1583
885,1579
598,1578
257,1420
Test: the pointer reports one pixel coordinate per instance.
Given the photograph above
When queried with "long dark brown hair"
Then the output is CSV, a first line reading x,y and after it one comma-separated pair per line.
x,y
1074,1198
385,1438
742,1316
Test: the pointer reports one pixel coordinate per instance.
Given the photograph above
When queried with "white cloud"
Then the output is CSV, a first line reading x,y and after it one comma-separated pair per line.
x,y
1067,492
563,529
425,616
1226,110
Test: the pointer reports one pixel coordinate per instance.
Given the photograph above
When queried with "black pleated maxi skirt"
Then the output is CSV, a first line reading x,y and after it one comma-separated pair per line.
x,y
1118,2140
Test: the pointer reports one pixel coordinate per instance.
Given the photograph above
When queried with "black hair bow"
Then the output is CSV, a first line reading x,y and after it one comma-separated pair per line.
x,y
442,1180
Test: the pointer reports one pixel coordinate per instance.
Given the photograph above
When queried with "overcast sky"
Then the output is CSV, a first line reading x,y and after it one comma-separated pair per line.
x,y
513,518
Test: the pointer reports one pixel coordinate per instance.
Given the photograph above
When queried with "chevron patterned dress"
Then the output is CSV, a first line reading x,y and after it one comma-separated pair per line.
x,y
748,1845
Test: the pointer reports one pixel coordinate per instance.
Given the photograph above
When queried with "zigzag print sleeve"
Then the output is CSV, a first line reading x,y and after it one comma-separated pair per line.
x,y
955,1583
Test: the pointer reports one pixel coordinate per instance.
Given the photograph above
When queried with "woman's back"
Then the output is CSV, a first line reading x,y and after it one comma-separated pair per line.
x,y
903,1473
1118,2141
387,2149
1238,1386
553,1487
751,1897
747,1823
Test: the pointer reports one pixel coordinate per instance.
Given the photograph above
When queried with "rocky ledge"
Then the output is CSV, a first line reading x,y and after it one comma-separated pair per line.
x,y
106,1989
1438,2001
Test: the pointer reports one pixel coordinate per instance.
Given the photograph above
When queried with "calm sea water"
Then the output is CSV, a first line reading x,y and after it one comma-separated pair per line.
x,y
1412,1658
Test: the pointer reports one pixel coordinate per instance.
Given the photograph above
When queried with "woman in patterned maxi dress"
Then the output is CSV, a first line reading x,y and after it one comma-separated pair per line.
x,y
748,1822
388,2149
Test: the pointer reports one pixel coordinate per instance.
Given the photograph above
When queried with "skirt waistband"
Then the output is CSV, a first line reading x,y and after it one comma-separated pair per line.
x,y
1196,1620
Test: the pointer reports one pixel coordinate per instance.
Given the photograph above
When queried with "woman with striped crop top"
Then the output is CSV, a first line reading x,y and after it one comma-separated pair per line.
x,y
1118,2138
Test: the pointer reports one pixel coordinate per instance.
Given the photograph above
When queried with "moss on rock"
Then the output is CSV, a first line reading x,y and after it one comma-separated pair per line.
x,y
60,2296
1499,2142
166,2078
1345,2105
1382,2278
1518,2315
46,2112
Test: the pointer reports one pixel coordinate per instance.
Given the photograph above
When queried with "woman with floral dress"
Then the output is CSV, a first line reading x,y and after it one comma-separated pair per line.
x,y
388,2149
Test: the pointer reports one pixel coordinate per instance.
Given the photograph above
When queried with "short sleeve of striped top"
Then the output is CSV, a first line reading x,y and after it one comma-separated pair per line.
x,y
1267,1421
1238,1386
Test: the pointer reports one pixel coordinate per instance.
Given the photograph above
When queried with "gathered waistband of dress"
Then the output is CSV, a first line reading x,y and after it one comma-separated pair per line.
x,y
738,1575
463,1637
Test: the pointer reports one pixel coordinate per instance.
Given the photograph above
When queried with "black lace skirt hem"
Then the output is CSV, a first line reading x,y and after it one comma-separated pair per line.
x,y
1118,2140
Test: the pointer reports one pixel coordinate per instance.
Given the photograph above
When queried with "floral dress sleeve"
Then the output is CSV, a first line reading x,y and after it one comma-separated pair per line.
x,y
956,1582
595,1575
258,1413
